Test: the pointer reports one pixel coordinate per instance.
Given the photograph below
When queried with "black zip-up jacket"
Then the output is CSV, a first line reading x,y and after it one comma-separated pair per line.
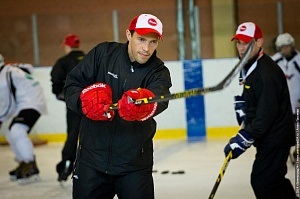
x,y
268,109
116,147
62,67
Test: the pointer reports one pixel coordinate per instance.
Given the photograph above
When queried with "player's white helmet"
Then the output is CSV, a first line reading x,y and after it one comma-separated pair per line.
x,y
1,60
284,39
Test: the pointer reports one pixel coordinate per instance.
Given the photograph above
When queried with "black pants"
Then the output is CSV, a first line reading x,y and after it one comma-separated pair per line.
x,y
268,174
28,117
91,184
70,147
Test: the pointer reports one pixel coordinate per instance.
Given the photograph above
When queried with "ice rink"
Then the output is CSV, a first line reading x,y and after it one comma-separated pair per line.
x,y
200,161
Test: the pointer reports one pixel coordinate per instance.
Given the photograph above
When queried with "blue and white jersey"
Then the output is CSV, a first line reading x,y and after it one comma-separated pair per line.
x,y
19,91
291,69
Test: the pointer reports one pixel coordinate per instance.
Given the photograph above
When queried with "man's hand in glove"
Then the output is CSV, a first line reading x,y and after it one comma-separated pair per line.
x,y
95,100
239,107
130,111
238,144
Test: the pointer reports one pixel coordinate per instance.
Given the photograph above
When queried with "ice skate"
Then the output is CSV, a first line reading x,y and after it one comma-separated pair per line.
x,y
28,173
13,173
64,169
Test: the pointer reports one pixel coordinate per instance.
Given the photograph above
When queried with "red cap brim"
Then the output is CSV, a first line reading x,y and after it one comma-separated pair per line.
x,y
144,31
241,37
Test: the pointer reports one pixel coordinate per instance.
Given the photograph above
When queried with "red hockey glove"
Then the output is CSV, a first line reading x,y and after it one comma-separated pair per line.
x,y
95,101
130,111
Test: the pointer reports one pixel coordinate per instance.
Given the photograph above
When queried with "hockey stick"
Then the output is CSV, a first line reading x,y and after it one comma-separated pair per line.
x,y
220,176
223,169
197,91
64,175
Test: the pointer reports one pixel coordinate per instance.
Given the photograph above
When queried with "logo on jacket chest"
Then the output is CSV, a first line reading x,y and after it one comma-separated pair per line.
x,y
113,75
247,86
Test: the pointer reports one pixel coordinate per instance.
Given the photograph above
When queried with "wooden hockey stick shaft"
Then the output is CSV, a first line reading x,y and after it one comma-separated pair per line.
x,y
220,176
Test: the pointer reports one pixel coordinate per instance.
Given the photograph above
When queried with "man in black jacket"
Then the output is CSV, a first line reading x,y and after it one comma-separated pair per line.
x,y
268,118
115,154
58,77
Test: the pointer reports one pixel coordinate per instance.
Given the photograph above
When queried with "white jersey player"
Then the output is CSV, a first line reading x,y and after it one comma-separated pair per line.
x,y
23,101
288,58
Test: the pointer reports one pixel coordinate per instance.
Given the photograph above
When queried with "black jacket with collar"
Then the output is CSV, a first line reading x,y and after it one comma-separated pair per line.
x,y
118,146
268,108
62,67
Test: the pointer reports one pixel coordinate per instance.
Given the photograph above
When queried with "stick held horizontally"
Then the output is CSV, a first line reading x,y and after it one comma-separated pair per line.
x,y
198,91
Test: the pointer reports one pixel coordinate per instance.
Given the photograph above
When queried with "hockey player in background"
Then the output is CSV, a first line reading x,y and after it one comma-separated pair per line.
x,y
288,58
21,100
58,77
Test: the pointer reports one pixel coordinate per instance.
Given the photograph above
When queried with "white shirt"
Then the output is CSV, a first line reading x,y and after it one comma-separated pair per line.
x,y
291,70
28,93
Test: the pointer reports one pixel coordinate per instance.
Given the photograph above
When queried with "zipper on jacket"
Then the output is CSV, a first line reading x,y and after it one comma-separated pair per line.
x,y
132,71
110,148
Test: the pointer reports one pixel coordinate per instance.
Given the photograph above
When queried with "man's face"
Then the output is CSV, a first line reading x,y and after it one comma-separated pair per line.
x,y
242,47
286,50
141,47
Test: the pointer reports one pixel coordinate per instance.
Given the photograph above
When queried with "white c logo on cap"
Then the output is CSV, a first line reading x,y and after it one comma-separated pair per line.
x,y
152,22
243,28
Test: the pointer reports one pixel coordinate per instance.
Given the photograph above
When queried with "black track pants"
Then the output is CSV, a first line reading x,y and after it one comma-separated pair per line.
x,y
70,147
91,184
268,174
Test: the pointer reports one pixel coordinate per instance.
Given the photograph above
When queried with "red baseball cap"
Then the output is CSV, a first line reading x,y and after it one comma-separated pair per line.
x,y
248,31
145,24
72,40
